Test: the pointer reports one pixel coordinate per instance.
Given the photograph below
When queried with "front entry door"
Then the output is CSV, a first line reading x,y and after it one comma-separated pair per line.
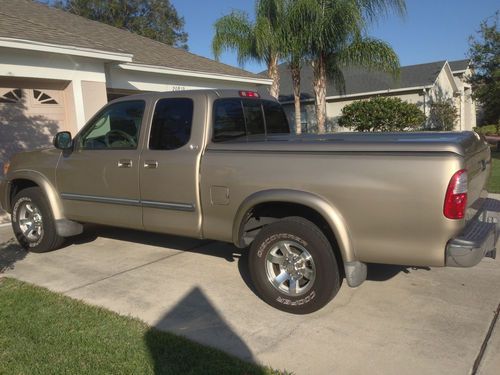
x,y
169,169
99,180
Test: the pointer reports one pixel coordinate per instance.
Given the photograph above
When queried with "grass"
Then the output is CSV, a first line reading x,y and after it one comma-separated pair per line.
x,y
494,181
45,333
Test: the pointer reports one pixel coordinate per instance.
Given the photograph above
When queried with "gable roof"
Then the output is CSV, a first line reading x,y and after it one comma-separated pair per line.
x,y
359,81
459,65
29,20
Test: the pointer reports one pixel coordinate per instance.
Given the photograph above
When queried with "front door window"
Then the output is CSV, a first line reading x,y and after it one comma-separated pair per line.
x,y
116,127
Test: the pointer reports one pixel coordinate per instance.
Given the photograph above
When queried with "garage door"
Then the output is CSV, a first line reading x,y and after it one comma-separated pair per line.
x,y
29,118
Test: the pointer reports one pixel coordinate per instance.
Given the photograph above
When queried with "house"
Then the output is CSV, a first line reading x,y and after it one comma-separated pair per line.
x,y
57,69
419,84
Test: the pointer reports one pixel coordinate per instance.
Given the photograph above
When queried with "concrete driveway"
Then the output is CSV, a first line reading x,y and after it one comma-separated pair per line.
x,y
402,320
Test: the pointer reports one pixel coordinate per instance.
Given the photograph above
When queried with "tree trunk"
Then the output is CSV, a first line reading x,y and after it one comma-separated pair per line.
x,y
272,72
295,70
319,86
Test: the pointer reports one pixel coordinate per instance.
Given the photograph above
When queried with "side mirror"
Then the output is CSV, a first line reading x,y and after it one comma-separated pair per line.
x,y
63,141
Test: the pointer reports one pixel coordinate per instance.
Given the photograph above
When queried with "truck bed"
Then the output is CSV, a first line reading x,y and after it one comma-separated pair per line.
x,y
461,143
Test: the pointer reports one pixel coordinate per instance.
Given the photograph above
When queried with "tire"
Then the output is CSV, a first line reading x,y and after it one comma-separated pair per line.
x,y
33,222
301,285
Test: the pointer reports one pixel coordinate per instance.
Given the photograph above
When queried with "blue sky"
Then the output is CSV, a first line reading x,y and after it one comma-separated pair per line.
x,y
432,30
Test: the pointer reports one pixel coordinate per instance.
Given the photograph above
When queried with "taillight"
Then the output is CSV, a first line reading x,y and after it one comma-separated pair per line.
x,y
455,201
249,94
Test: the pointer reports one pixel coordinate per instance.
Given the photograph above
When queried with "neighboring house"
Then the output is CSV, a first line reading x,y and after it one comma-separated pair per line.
x,y
58,69
419,84
466,106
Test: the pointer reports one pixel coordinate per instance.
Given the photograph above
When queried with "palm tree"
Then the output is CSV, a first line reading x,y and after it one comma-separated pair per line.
x,y
295,49
336,32
260,40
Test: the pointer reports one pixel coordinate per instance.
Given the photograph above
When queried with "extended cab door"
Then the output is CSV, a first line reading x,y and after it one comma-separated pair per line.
x,y
99,180
169,170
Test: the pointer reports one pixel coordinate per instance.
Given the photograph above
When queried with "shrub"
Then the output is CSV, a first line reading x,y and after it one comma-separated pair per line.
x,y
443,115
487,129
381,114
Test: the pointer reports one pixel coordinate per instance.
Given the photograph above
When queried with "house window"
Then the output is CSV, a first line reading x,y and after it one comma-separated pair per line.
x,y
13,96
43,98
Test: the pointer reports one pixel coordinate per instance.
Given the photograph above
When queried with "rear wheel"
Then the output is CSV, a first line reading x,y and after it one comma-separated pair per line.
x,y
293,266
33,223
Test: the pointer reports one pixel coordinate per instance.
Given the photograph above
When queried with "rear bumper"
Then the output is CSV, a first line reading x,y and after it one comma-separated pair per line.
x,y
476,241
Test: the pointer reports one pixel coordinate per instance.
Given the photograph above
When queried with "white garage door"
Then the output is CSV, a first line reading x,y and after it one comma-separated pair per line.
x,y
29,118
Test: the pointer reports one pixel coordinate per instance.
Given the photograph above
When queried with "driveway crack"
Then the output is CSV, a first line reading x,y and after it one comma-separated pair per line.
x,y
480,355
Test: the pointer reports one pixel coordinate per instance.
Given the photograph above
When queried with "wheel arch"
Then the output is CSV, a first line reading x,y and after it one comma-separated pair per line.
x,y
22,179
326,210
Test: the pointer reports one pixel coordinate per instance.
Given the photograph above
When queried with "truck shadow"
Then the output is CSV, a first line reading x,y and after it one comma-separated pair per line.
x,y
10,253
384,272
196,318
222,250
228,252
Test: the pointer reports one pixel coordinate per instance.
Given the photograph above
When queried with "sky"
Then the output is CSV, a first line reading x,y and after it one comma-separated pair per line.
x,y
432,30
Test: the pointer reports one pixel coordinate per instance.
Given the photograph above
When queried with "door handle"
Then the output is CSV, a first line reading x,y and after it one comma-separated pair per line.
x,y
124,163
151,164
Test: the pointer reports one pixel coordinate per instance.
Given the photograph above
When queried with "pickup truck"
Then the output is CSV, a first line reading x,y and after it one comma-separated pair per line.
x,y
222,165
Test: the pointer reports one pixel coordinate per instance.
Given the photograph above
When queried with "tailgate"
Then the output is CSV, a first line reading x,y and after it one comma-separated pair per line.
x,y
478,165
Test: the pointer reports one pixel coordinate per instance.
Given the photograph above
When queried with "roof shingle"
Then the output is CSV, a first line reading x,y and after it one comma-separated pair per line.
x,y
459,65
358,80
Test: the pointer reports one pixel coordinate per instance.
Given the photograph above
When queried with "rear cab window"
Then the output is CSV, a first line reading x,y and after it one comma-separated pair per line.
x,y
235,117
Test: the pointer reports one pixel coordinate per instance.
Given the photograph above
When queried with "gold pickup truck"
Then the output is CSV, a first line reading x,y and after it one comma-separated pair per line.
x,y
221,165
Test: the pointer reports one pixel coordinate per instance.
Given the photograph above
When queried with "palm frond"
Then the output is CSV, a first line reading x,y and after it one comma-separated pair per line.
x,y
235,32
334,73
372,54
374,9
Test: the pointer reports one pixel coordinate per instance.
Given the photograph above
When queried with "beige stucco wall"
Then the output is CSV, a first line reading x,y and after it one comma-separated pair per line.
x,y
444,86
94,97
466,103
69,100
456,88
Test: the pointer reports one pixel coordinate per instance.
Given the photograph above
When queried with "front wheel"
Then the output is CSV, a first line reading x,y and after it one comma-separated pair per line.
x,y
33,223
293,267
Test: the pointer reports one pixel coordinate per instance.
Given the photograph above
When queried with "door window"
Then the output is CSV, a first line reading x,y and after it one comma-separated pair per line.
x,y
117,126
171,125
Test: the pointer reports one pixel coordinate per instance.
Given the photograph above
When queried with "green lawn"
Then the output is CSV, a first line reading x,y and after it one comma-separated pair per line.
x,y
46,333
494,181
